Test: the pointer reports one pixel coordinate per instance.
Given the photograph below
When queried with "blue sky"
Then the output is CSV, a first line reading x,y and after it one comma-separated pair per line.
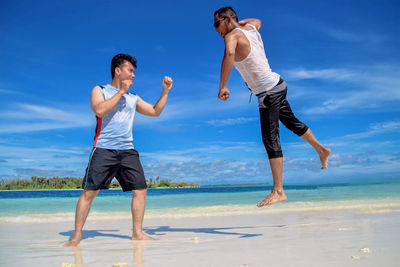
x,y
340,60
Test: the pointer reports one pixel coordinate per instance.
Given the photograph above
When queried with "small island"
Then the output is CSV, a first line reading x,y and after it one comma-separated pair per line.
x,y
44,183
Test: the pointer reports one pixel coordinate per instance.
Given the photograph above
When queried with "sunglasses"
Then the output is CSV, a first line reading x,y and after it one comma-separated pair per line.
x,y
218,22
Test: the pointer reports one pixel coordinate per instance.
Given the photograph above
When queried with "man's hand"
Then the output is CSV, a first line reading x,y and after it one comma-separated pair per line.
x,y
125,85
167,83
148,109
255,22
224,94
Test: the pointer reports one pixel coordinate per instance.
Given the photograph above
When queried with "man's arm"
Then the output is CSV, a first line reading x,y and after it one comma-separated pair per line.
x,y
227,65
102,107
255,22
155,110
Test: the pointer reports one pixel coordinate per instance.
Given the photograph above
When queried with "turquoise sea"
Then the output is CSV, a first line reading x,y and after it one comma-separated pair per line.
x,y
59,205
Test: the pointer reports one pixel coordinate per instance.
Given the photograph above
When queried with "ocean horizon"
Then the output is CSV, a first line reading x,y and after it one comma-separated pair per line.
x,y
30,206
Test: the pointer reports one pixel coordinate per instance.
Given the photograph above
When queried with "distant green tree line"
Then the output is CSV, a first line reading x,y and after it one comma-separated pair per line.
x,y
41,183
74,183
154,183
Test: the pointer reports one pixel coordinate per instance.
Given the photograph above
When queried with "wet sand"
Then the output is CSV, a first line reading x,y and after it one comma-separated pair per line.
x,y
307,238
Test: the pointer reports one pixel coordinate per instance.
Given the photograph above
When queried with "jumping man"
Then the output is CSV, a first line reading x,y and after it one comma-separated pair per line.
x,y
244,49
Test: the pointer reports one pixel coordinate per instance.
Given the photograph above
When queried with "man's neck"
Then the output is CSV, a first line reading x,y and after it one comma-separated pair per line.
x,y
234,25
115,83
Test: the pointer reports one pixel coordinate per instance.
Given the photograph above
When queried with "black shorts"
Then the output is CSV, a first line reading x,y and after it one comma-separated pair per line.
x,y
277,109
105,164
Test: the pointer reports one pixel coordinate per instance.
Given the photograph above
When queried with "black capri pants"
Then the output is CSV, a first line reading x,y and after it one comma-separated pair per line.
x,y
276,108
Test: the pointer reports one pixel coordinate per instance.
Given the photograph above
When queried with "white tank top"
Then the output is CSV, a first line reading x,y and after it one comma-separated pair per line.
x,y
255,69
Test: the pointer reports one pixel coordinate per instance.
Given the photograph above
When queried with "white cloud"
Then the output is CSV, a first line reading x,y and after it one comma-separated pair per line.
x,y
47,172
8,92
34,127
341,34
30,118
231,121
377,128
217,163
210,172
204,105
22,161
214,150
371,87
326,74
17,153
220,171
347,36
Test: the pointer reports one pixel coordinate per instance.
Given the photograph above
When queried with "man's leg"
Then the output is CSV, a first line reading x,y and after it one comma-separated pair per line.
x,y
277,194
322,151
138,208
288,119
82,211
269,118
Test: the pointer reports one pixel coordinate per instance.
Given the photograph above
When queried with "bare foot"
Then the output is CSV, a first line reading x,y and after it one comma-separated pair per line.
x,y
141,236
76,238
274,197
323,156
72,243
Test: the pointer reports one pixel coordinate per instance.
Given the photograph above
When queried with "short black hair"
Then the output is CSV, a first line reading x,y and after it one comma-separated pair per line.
x,y
119,60
226,11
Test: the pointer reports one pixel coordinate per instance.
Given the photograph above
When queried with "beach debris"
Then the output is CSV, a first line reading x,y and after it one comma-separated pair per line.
x,y
196,239
120,264
365,250
66,264
355,257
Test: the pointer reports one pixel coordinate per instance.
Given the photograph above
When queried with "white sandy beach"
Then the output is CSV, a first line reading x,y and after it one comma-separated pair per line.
x,y
342,237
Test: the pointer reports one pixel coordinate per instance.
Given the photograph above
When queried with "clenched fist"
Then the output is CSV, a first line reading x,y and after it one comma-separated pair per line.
x,y
224,94
125,85
167,83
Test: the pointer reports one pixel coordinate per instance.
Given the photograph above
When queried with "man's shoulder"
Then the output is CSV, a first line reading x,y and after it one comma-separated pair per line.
x,y
101,87
235,34
131,94
250,27
134,97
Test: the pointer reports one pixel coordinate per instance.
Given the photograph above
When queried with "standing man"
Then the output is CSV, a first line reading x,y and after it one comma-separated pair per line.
x,y
113,154
244,49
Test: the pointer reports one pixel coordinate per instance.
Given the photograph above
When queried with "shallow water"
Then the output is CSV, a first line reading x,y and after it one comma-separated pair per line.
x,y
59,205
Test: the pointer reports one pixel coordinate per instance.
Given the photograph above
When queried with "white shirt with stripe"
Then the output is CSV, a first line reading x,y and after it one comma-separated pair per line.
x,y
114,130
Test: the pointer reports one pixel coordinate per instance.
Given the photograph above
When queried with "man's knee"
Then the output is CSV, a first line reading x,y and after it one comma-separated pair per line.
x,y
89,194
140,193
274,154
301,130
273,146
296,126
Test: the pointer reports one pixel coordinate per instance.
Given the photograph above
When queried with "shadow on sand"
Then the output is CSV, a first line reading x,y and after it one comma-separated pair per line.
x,y
94,233
163,230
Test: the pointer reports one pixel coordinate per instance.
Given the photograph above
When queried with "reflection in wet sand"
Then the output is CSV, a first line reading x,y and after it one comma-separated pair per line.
x,y
78,260
138,248
138,261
